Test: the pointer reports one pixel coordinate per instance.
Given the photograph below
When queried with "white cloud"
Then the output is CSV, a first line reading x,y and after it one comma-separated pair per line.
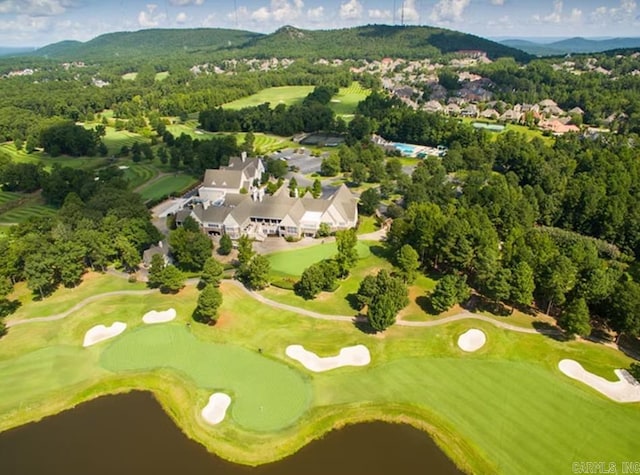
x,y
147,19
377,14
410,11
351,10
576,15
211,20
261,14
283,11
35,8
497,2
315,14
182,3
449,11
554,17
181,18
621,13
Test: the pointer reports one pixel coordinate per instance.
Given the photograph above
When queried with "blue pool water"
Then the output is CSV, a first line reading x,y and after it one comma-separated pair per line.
x,y
405,148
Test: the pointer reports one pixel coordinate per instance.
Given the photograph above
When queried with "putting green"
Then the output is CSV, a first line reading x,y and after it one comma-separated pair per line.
x,y
266,395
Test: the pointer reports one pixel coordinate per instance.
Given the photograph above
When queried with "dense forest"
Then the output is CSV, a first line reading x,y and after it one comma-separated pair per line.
x,y
367,42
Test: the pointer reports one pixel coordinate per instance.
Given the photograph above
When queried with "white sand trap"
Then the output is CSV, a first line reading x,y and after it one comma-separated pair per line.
x,y
335,100
627,389
100,333
472,340
216,408
351,356
159,317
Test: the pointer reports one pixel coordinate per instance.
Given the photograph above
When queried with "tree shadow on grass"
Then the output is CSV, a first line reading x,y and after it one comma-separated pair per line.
x,y
553,332
362,323
379,251
424,303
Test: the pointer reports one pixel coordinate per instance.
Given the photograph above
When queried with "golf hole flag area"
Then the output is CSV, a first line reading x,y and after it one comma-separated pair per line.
x,y
268,395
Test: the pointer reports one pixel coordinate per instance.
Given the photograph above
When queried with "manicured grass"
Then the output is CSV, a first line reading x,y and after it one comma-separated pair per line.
x,y
93,283
167,185
116,139
22,213
367,225
268,396
296,261
6,197
345,102
330,303
48,162
139,173
288,95
505,409
530,134
161,76
130,76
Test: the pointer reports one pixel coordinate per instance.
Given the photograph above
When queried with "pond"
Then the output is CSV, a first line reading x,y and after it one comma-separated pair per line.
x,y
131,434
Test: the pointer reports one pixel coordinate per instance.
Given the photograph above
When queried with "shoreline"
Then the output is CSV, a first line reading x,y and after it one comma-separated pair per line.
x,y
235,445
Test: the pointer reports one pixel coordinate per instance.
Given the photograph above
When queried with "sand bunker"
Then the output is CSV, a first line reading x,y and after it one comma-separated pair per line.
x,y
100,333
472,340
216,408
351,356
627,389
159,317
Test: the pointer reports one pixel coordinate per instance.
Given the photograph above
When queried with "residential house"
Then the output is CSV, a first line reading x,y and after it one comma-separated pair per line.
x,y
490,114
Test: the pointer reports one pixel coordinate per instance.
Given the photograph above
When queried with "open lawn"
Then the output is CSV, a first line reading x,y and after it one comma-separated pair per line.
x,y
330,303
167,185
6,197
139,173
294,262
521,129
130,76
116,139
162,75
345,102
287,95
505,409
22,213
63,299
48,162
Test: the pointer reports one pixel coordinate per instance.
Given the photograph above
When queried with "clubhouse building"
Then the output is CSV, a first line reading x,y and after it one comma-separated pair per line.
x,y
231,202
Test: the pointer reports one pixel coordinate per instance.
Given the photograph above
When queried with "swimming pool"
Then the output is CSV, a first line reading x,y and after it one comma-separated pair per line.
x,y
406,149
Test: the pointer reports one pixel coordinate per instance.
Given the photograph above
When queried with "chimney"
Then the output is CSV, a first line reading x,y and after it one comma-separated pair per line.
x,y
243,155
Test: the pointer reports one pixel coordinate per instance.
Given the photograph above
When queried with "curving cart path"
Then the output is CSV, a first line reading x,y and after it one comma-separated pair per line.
x,y
78,306
300,311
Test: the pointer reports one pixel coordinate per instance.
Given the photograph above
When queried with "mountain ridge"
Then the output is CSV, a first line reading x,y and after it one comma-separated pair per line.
x,y
575,45
370,41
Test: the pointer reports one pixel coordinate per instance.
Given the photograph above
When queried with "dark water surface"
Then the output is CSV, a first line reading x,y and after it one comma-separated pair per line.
x,y
131,434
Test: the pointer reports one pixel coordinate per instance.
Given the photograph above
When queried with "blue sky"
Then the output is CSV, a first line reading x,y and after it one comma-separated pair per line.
x,y
39,22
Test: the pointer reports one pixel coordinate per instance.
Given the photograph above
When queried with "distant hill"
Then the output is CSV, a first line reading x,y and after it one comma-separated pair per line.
x,y
148,43
12,51
572,45
372,41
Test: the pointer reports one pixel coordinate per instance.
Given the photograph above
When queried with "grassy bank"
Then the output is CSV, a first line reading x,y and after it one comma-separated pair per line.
x,y
504,409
